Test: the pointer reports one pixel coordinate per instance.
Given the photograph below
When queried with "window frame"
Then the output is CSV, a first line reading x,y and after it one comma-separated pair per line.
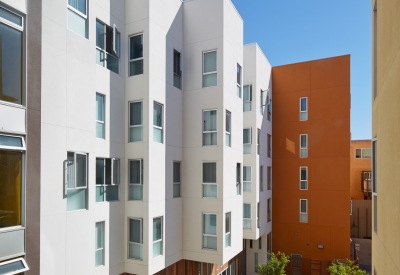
x,y
269,210
104,185
75,167
129,53
306,180
362,156
250,139
104,111
269,146
306,111
261,178
134,126
116,52
141,236
251,178
180,178
12,24
13,148
269,178
209,183
263,94
258,140
239,85
258,215
159,240
103,225
238,183
213,72
230,126
180,69
248,219
26,267
162,122
78,12
206,132
209,235
250,97
260,243
141,177
304,213
230,229
303,148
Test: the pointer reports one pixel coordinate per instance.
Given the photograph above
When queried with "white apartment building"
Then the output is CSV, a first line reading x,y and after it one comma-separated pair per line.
x,y
145,138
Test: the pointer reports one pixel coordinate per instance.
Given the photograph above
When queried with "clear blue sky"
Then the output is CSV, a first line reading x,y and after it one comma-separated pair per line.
x,y
290,31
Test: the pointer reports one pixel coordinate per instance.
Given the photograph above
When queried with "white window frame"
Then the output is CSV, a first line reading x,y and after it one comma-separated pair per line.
x,y
26,267
239,85
133,126
303,148
251,178
141,235
103,223
23,148
162,237
263,103
74,183
141,177
303,213
306,111
12,24
104,185
248,144
306,180
162,122
206,132
258,140
230,229
238,183
230,125
361,153
206,235
213,72
180,69
78,12
104,111
248,219
250,96
209,183
180,178
116,51
129,54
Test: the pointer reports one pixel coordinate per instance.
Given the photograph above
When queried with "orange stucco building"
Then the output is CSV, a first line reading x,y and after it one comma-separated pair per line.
x,y
311,160
360,161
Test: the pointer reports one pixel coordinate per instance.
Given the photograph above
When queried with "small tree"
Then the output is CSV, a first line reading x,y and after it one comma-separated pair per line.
x,y
274,266
347,268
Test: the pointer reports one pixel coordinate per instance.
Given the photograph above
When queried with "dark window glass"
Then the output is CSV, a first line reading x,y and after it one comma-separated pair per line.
x,y
136,47
177,63
210,172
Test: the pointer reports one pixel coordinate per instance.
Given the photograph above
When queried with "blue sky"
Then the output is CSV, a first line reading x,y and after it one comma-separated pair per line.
x,y
290,31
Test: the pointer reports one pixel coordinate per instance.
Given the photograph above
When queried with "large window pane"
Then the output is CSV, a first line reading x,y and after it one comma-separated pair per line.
x,y
10,188
210,62
100,116
77,23
136,47
209,128
80,170
157,237
136,121
209,190
100,35
157,122
210,224
210,172
12,17
79,5
76,199
136,67
135,239
99,235
10,64
210,80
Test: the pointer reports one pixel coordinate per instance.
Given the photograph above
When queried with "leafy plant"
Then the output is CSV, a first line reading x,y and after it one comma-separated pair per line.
x,y
275,266
347,268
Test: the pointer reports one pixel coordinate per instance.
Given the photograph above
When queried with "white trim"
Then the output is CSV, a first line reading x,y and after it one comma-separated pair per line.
x,y
303,148
251,177
306,180
129,52
141,236
78,12
306,111
209,183
212,72
11,24
15,260
251,134
361,153
213,131
304,213
103,225
23,148
129,120
162,121
204,234
248,219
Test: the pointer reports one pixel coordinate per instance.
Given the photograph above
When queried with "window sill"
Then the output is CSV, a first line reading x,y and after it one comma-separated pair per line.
x,y
78,210
133,259
11,228
15,105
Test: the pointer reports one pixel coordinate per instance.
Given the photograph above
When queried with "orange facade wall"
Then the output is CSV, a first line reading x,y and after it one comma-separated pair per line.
x,y
357,165
326,83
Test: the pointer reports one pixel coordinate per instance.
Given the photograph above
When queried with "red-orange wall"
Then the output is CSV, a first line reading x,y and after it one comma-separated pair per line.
x,y
357,166
326,83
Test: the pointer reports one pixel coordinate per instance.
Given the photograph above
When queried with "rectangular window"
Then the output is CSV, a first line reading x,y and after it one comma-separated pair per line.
x,y
363,153
239,81
258,141
99,251
77,17
157,237
238,180
157,122
269,178
209,127
11,56
269,245
11,180
269,145
246,178
251,243
303,211
260,243
295,261
107,46
76,180
228,129
177,179
269,107
136,54
210,231
100,116
135,246
136,121
177,70
246,216
209,69
107,179
303,108
375,213
258,215
303,146
261,187
136,180
247,141
269,210
247,98
209,179
374,166
256,261
15,266
303,178
227,229
263,100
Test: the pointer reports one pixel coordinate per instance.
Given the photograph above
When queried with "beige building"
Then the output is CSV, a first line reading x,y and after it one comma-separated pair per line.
x,y
385,142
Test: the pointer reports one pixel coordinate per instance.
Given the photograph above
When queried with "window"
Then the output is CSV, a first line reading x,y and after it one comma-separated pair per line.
x,y
100,116
269,245
107,179
11,49
261,187
251,243
246,216
303,108
258,215
269,210
99,251
263,100
209,127
76,181
269,108
11,180
269,178
157,237
239,81
136,54
363,153
209,69
77,17
375,213
247,141
135,246
269,145
107,46
177,70
228,129
247,98
227,229
136,121
157,122
136,180
303,211
246,178
260,243
303,178
374,166
210,231
238,180
303,146
15,266
258,141
177,179
209,179
295,262
256,261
